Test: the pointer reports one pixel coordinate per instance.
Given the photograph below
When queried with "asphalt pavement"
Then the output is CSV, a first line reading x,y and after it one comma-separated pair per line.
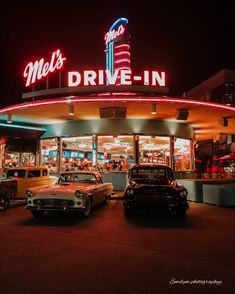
x,y
107,253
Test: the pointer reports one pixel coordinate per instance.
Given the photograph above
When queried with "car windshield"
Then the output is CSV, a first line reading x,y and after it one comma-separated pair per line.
x,y
81,178
20,173
151,173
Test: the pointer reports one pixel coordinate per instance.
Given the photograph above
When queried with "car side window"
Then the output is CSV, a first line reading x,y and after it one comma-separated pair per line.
x,y
33,173
170,174
44,173
76,178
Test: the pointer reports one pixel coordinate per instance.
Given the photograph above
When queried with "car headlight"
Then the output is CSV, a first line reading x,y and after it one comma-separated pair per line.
x,y
183,193
78,194
130,192
29,193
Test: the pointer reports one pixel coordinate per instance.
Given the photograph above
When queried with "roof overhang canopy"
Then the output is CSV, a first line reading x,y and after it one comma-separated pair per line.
x,y
204,117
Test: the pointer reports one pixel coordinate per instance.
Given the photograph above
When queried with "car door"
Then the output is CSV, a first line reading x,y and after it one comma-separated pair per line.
x,y
31,180
100,188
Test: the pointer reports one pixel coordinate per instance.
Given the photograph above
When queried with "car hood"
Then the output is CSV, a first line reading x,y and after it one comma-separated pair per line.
x,y
66,188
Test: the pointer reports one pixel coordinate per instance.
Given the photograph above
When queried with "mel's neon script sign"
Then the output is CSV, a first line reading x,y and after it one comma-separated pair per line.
x,y
119,77
111,35
34,71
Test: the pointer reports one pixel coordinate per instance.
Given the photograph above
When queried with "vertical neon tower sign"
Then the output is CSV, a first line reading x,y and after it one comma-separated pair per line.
x,y
117,46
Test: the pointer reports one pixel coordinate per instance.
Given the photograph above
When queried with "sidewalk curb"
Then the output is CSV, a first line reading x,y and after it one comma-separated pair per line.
x,y
117,195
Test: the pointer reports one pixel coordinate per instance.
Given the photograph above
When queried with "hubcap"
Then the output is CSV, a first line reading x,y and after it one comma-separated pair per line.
x,y
87,207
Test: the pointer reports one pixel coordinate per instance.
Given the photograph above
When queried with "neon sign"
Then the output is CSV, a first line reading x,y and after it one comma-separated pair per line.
x,y
34,71
115,48
120,76
111,35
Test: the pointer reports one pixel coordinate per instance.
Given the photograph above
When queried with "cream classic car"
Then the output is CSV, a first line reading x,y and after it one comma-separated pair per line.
x,y
75,191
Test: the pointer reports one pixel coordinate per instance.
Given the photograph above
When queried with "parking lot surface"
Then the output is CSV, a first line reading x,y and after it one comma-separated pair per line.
x,y
107,253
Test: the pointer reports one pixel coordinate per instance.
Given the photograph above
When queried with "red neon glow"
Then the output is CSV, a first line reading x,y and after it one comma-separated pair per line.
x,y
3,140
111,35
116,99
123,67
117,94
36,70
123,46
122,53
123,60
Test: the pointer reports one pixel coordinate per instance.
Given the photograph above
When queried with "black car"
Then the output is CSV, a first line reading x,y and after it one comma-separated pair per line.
x,y
153,187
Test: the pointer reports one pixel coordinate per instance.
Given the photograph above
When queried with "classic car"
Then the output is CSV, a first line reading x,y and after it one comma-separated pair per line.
x,y
75,191
153,187
19,179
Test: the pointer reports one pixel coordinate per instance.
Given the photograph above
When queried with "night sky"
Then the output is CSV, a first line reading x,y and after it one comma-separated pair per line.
x,y
190,40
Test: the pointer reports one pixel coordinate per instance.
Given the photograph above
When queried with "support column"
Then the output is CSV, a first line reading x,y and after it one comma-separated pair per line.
x,y
192,154
59,150
39,153
94,152
172,142
136,148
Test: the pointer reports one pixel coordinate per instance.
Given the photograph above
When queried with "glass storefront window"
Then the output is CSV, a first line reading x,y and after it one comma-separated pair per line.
x,y
115,153
49,154
12,159
27,159
77,153
154,149
182,155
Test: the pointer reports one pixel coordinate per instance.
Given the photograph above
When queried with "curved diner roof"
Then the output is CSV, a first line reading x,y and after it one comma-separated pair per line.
x,y
203,116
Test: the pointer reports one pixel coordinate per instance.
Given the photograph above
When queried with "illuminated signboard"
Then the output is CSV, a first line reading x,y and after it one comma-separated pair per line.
x,y
34,71
101,77
118,71
111,35
89,155
53,153
66,153
100,156
74,154
117,46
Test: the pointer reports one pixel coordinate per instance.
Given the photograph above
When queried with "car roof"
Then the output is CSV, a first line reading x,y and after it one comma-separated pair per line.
x,y
28,167
79,172
150,165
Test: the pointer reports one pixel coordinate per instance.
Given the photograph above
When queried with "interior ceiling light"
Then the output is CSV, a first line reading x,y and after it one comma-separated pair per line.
x,y
153,109
71,109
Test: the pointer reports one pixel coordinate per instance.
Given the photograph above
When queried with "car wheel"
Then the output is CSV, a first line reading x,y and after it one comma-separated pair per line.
x,y
181,214
106,200
38,213
128,212
4,202
87,210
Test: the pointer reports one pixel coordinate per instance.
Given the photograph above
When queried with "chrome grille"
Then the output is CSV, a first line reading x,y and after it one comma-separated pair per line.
x,y
159,191
156,196
54,202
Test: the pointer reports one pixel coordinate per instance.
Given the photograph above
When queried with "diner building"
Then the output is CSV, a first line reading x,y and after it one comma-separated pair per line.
x,y
107,120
